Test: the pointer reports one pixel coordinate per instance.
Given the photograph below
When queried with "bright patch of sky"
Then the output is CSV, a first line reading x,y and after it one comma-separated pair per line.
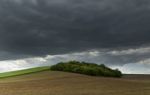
x,y
140,67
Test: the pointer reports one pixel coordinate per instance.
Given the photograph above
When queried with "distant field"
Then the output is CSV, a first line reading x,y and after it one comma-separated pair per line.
x,y
22,72
62,83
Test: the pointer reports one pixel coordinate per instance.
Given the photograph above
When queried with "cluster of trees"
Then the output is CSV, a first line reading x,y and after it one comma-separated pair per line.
x,y
86,68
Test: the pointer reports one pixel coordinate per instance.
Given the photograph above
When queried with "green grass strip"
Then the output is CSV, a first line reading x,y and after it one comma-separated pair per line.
x,y
23,72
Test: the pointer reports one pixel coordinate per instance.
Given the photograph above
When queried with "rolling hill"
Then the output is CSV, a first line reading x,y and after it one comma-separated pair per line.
x,y
62,83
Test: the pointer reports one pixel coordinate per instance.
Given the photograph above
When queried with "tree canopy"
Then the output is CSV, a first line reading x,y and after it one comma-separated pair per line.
x,y
86,68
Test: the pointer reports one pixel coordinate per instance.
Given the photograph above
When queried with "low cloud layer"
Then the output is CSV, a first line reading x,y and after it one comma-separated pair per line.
x,y
123,60
118,30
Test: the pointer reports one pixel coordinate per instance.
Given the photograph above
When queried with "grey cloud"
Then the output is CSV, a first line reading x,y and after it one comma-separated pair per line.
x,y
110,58
41,27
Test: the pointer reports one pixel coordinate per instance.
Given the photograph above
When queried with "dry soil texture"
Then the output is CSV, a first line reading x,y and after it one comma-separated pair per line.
x,y
61,83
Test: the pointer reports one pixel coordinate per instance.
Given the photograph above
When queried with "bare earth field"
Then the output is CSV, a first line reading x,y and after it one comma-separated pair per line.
x,y
61,83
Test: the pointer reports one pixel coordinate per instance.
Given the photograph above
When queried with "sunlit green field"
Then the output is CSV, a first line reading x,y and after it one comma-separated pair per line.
x,y
22,72
62,83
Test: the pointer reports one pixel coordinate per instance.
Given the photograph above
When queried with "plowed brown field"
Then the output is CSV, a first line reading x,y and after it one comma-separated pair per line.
x,y
62,83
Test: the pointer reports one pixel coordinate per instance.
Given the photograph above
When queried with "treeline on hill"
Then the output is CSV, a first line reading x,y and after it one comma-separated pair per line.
x,y
86,68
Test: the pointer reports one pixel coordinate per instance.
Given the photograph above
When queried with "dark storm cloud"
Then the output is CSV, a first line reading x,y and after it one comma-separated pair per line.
x,y
41,27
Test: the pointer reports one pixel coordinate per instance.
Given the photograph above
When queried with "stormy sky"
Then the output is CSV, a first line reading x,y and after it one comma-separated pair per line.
x,y
44,32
